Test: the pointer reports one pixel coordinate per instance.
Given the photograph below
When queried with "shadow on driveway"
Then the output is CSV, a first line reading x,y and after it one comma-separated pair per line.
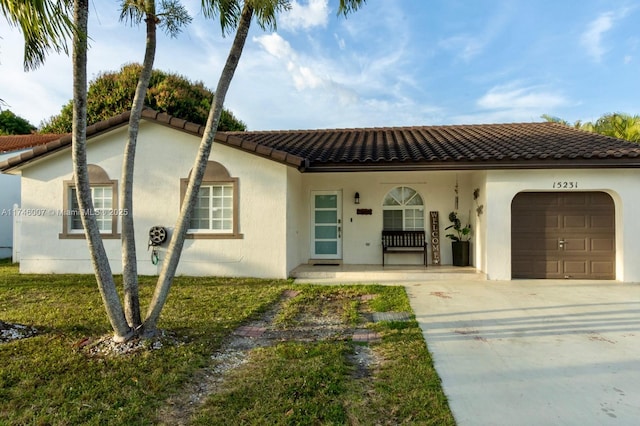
x,y
534,352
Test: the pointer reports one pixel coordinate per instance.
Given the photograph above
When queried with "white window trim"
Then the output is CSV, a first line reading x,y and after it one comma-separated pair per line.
x,y
70,233
403,207
210,209
217,234
70,218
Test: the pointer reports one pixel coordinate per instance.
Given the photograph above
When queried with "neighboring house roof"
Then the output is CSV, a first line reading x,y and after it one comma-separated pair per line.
x,y
9,143
456,147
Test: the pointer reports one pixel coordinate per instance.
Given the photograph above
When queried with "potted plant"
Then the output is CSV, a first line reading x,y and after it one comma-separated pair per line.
x,y
459,240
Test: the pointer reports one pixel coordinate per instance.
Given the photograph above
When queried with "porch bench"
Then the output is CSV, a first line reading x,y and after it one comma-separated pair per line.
x,y
404,242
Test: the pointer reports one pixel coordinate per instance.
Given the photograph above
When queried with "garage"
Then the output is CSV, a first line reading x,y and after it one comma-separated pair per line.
x,y
567,235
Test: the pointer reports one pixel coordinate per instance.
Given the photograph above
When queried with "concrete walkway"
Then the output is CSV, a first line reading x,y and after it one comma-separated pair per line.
x,y
534,352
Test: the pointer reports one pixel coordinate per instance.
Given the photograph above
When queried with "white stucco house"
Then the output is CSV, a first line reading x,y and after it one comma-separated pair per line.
x,y
544,200
10,146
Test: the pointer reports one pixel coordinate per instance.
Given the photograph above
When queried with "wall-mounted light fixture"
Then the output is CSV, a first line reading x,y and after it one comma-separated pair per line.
x,y
356,198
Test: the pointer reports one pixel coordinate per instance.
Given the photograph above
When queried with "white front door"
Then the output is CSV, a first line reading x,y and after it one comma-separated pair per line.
x,y
326,225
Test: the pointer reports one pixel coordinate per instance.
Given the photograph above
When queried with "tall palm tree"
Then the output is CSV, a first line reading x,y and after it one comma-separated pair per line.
x,y
45,24
265,12
174,251
102,269
171,17
233,14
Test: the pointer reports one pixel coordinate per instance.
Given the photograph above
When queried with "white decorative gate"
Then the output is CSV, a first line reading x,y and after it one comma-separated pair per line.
x,y
17,224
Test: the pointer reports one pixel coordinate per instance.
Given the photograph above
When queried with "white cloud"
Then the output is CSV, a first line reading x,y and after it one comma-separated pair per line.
x,y
513,97
275,45
502,116
592,39
467,46
368,70
513,102
40,94
314,86
314,14
303,76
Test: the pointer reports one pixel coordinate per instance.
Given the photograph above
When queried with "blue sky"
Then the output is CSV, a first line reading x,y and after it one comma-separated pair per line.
x,y
392,63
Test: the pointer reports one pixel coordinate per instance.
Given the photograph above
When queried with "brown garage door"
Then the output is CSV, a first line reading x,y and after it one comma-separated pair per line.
x,y
563,235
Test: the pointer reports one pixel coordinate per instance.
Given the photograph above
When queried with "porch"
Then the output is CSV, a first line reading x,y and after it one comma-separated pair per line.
x,y
377,274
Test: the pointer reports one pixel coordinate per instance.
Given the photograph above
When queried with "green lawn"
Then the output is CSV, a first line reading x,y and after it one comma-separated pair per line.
x,y
52,379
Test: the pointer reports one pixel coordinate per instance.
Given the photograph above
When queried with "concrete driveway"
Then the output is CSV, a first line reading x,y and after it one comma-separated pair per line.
x,y
533,352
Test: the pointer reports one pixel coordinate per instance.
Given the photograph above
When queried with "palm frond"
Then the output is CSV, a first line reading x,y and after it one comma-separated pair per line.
x,y
132,11
348,6
46,26
266,12
228,12
173,17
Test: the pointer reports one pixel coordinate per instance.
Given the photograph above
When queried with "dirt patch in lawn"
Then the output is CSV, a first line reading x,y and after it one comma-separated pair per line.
x,y
336,317
323,320
105,346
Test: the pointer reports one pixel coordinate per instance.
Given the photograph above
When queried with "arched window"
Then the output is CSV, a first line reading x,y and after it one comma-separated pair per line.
x,y
403,209
104,193
216,212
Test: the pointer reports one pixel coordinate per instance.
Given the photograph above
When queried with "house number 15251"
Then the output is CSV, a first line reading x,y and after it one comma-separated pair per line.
x,y
565,185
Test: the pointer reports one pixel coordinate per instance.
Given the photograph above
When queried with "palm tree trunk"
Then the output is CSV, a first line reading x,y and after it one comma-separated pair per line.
x,y
176,244
129,257
98,254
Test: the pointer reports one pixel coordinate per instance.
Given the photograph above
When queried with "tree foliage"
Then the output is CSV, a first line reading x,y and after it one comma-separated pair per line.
x,y
11,124
111,93
617,125
171,16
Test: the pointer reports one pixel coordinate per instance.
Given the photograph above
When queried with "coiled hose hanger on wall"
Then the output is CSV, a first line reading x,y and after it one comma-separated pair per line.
x,y
157,236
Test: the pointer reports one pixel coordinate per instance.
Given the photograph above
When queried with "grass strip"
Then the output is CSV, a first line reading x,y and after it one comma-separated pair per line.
x,y
49,379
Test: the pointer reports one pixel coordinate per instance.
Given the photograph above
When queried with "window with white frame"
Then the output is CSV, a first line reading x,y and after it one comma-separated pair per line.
x,y
104,193
102,197
403,210
214,209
